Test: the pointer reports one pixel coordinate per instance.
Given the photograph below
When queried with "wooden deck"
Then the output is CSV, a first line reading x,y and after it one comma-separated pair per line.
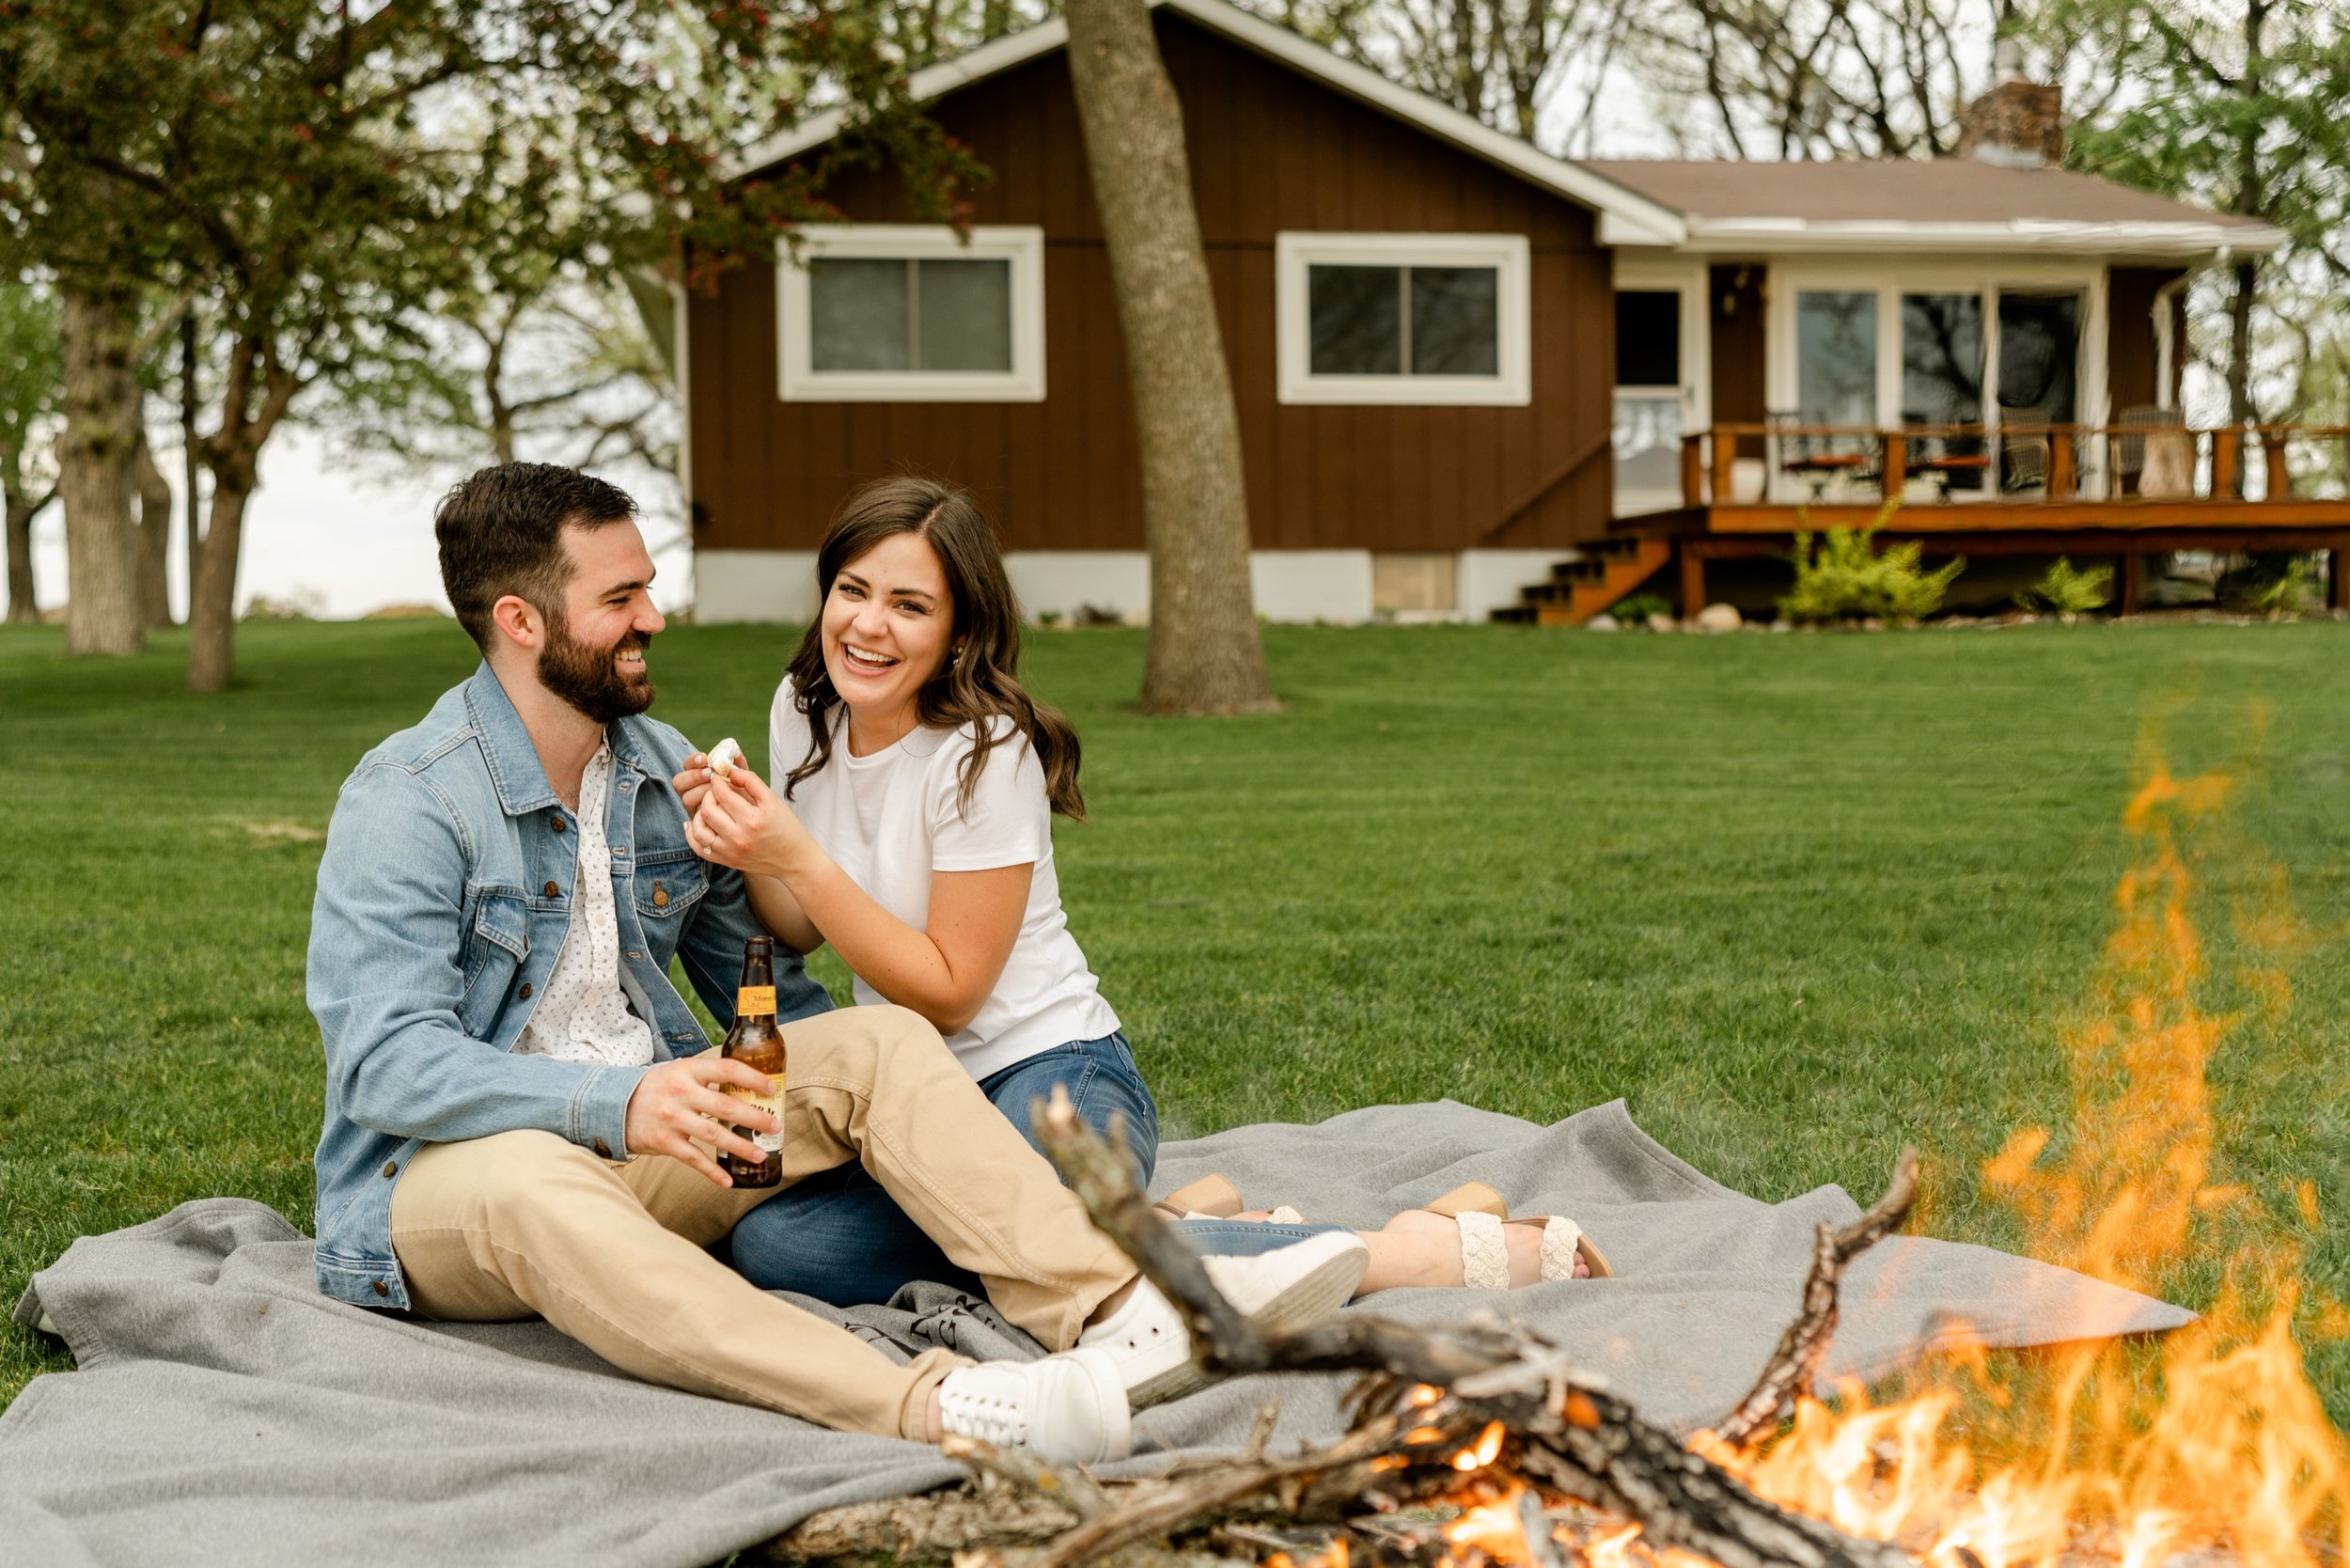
x,y
2085,496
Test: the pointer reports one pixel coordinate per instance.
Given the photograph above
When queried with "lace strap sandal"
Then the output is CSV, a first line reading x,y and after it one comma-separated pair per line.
x,y
1481,1213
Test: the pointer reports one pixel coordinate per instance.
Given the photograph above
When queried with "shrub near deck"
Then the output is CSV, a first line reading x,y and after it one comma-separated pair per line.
x,y
1797,898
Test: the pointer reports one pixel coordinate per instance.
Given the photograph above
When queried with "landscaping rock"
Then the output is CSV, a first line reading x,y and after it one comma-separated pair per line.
x,y
1662,624
1603,622
1718,618
1782,625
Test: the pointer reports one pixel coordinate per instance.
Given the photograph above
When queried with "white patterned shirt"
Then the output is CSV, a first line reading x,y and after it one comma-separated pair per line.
x,y
583,1014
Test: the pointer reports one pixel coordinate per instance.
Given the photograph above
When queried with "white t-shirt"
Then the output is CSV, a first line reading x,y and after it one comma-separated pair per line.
x,y
891,819
583,1015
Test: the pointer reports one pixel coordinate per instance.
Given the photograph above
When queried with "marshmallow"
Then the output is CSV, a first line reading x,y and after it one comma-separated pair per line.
x,y
723,756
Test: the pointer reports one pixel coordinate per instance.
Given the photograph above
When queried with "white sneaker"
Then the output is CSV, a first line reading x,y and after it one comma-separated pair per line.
x,y
1291,1288
1069,1408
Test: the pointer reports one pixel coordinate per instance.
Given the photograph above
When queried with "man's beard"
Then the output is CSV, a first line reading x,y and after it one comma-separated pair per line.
x,y
587,678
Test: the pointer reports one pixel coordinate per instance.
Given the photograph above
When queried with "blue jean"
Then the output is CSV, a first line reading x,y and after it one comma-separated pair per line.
x,y
1242,1238
839,1236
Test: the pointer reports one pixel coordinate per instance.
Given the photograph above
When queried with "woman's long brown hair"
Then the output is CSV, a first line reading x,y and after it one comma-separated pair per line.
x,y
981,680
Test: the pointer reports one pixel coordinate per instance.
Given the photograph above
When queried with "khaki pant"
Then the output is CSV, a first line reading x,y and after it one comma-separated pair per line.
x,y
527,1224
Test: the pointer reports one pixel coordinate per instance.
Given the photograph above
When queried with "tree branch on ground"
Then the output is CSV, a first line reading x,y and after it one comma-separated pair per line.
x,y
1794,1368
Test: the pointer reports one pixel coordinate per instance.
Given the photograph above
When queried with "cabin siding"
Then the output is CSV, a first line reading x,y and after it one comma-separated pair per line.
x,y
1270,150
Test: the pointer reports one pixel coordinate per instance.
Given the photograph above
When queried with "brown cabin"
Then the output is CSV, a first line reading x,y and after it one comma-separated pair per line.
x,y
1471,378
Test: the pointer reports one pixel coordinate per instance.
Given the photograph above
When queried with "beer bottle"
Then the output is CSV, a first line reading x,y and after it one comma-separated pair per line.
x,y
757,1042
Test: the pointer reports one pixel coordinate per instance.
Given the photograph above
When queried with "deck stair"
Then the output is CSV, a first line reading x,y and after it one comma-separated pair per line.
x,y
1605,571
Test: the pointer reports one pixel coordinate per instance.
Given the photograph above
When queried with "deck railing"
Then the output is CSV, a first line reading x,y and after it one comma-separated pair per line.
x,y
1778,462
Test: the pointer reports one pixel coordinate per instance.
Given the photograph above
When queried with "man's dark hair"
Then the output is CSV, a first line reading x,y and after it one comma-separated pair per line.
x,y
501,532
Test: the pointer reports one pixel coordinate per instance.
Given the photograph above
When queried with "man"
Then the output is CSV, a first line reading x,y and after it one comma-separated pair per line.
x,y
521,1112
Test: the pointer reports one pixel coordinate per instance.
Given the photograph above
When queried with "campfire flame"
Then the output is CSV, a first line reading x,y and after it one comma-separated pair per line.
x,y
1495,1528
2217,1442
2213,1440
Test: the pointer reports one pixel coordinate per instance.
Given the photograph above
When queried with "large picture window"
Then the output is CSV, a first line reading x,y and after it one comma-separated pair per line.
x,y
1973,364
883,313
1402,318
1836,357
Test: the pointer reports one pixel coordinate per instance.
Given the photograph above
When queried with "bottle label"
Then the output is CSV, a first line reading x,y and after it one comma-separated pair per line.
x,y
755,1001
771,1103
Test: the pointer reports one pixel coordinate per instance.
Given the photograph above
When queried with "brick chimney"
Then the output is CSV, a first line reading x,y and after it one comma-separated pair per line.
x,y
2019,123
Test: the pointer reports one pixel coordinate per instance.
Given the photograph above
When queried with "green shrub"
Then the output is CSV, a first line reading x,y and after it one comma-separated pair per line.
x,y
1842,575
2064,591
1634,609
2271,583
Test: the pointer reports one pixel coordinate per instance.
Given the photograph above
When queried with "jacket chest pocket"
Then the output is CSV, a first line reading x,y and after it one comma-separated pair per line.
x,y
495,946
666,890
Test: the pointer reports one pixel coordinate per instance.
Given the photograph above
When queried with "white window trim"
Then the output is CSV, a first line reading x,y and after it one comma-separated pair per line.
x,y
1294,251
799,382
1688,279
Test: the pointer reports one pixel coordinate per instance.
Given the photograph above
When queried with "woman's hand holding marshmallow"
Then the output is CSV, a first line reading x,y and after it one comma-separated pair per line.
x,y
741,824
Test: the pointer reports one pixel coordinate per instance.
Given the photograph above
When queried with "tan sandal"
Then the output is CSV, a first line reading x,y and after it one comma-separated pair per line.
x,y
1481,1213
1211,1196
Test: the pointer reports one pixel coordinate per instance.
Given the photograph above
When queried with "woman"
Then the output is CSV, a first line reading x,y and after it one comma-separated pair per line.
x,y
909,823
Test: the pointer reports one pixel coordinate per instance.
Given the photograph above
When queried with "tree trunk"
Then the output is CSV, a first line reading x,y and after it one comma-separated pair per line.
x,y
213,595
188,447
94,463
154,540
2250,199
22,610
1204,654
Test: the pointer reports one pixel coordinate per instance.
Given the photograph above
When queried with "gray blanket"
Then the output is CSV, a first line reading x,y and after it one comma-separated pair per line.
x,y
225,1412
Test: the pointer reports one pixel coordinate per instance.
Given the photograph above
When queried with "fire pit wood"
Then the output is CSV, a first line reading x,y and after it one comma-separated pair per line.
x,y
1795,1365
1561,1426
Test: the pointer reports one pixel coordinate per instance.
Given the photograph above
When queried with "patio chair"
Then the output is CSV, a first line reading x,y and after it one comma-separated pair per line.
x,y
2024,437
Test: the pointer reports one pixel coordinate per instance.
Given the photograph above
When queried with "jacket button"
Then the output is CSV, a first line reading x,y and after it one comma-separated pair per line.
x,y
391,1167
601,1152
524,991
660,896
552,890
557,824
381,1288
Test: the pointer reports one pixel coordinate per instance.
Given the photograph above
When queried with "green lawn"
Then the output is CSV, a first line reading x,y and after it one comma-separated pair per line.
x,y
1797,898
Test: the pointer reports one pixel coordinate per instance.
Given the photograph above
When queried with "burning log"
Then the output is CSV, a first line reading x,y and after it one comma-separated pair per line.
x,y
1794,1364
1482,1413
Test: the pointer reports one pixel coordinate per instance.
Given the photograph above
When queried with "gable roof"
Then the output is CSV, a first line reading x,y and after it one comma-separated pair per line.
x,y
1945,204
1635,218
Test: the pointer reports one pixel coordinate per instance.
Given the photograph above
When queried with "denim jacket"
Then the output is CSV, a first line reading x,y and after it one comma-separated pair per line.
x,y
444,897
